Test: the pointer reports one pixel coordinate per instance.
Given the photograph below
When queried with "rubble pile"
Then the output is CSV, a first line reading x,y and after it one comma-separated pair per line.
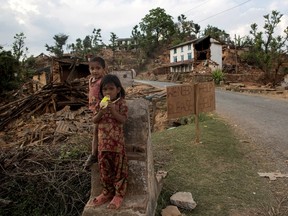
x,y
51,98
44,141
54,113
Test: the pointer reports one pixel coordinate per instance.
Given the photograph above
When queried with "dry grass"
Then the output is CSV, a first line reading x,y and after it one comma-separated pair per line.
x,y
45,180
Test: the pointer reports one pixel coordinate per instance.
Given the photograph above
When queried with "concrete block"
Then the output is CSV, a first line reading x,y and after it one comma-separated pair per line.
x,y
143,188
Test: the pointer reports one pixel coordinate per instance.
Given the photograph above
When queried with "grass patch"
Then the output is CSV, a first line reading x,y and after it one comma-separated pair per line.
x,y
217,172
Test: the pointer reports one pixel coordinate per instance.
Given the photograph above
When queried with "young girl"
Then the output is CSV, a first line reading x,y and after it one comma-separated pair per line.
x,y
112,159
97,71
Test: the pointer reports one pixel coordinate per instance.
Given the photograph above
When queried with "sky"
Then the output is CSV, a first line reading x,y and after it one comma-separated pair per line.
x,y
40,20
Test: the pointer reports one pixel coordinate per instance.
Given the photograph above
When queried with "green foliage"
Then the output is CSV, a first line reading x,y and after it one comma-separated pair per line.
x,y
216,33
156,26
185,29
15,67
113,40
241,41
9,71
191,119
19,49
57,49
136,36
267,49
78,48
96,39
91,44
217,76
30,62
71,151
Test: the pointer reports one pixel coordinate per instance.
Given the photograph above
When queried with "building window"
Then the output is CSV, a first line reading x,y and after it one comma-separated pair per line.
x,y
175,59
181,49
189,47
189,56
182,57
175,51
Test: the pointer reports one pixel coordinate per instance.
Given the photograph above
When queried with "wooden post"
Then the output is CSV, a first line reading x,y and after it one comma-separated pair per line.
x,y
154,101
196,98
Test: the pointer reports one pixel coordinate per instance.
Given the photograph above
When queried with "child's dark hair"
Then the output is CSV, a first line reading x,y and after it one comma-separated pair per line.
x,y
111,78
98,59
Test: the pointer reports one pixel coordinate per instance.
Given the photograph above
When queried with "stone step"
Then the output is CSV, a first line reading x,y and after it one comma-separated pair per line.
x,y
133,205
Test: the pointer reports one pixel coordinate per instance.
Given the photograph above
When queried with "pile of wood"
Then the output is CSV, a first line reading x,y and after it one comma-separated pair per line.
x,y
51,98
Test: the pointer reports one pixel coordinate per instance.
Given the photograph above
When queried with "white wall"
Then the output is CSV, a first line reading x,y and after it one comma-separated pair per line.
x,y
216,54
180,53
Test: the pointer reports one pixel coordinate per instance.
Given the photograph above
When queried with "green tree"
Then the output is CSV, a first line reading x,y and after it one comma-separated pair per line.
x,y
268,49
91,44
28,67
217,33
57,49
9,68
77,48
113,45
186,29
136,36
241,42
18,47
86,45
156,26
113,40
82,47
96,41
238,43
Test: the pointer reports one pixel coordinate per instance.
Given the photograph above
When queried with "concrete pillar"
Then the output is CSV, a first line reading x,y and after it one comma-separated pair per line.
x,y
143,188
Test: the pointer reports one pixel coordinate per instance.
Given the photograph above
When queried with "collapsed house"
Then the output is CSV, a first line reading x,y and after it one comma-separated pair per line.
x,y
60,70
184,57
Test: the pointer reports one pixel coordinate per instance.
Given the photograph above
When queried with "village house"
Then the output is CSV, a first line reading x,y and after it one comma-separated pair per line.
x,y
125,43
185,56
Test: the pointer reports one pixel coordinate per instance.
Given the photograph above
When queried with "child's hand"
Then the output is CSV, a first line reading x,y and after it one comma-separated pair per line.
x,y
104,102
111,106
97,116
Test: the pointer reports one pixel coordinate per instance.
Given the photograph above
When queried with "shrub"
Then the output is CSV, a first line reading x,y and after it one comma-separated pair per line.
x,y
217,76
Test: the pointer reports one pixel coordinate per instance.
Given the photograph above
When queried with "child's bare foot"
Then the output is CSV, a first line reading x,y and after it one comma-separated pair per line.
x,y
116,202
101,199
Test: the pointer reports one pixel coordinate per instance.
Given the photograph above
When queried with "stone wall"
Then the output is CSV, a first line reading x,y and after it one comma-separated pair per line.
x,y
243,77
